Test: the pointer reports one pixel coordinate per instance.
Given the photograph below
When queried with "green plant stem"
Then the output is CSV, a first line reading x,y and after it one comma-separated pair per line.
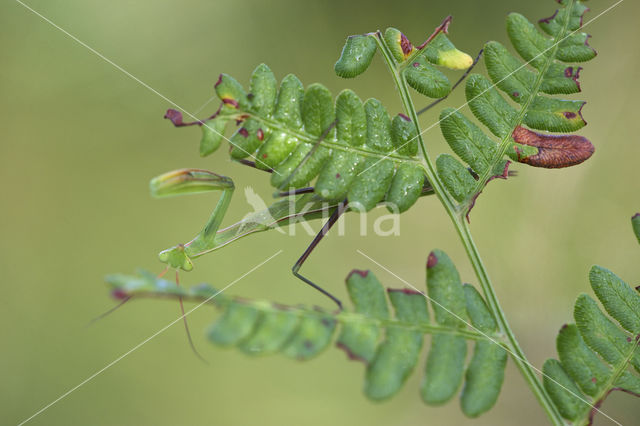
x,y
458,218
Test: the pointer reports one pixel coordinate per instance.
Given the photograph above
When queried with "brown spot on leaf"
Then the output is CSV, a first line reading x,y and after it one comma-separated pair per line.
x,y
570,115
554,151
264,155
516,94
406,45
244,132
260,135
432,260
416,64
337,175
229,101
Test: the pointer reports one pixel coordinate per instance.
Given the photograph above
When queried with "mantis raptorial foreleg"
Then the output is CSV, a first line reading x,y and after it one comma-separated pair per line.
x,y
190,181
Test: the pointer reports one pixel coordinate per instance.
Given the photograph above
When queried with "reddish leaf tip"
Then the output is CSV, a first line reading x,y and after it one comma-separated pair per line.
x,y
432,260
119,294
403,290
218,82
362,273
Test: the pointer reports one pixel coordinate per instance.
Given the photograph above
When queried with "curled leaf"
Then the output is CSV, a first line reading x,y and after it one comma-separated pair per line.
x,y
554,151
399,44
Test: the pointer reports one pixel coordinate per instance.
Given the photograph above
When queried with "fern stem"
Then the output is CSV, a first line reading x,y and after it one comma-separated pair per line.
x,y
457,217
517,354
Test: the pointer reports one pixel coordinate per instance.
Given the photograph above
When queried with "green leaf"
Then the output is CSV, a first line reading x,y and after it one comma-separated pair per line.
x,y
351,119
618,298
263,90
231,92
317,109
312,336
563,391
485,373
404,135
583,366
406,187
389,346
539,69
271,332
467,140
444,369
595,353
247,138
455,176
635,223
397,356
359,341
237,322
602,335
212,134
483,379
351,149
441,51
427,80
445,290
356,56
445,362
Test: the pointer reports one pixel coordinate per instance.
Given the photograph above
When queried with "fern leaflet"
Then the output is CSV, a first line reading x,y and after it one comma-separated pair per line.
x,y
388,346
523,85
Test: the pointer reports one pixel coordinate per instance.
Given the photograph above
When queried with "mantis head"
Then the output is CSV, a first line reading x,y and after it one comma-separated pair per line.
x,y
176,258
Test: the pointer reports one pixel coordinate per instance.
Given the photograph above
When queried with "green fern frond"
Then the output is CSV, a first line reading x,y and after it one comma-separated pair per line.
x,y
351,149
389,345
547,70
596,355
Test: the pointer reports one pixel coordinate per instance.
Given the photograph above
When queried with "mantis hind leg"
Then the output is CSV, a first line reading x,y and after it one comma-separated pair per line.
x,y
325,229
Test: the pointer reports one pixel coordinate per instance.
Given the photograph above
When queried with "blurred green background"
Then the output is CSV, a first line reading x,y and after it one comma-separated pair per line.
x,y
80,141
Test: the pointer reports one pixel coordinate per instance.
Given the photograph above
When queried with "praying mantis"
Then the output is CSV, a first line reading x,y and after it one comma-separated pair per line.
x,y
298,203
361,157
